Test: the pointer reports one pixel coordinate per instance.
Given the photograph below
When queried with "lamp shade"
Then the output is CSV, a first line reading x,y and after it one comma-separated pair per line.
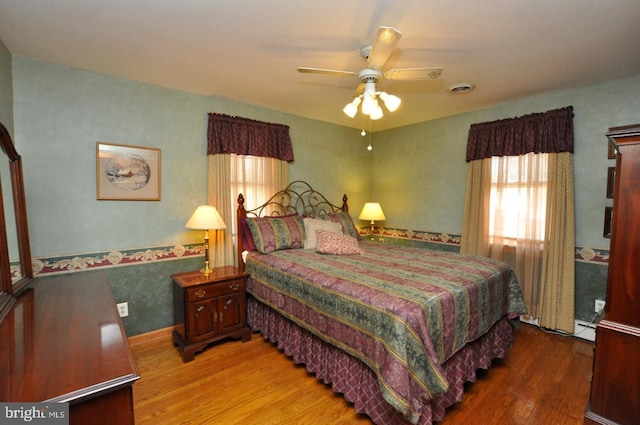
x,y
205,217
390,101
376,114
372,211
369,104
352,107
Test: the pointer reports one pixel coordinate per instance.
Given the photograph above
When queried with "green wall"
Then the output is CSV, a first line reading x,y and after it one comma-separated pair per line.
x,y
6,89
60,113
427,160
417,172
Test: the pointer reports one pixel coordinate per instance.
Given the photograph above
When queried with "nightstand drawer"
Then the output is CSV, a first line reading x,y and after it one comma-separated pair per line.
x,y
204,292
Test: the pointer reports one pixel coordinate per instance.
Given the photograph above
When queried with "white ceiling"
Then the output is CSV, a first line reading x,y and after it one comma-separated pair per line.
x,y
248,50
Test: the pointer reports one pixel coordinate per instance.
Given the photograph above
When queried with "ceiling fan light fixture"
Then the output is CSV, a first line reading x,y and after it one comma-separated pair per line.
x,y
376,56
376,114
352,107
369,104
390,101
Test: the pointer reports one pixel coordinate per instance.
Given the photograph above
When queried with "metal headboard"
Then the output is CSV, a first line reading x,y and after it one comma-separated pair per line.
x,y
298,197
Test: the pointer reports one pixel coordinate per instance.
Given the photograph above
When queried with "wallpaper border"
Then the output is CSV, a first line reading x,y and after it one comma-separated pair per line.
x,y
126,257
582,254
115,258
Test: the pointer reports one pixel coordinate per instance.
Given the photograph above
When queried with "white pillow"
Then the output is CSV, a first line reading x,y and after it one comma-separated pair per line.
x,y
310,227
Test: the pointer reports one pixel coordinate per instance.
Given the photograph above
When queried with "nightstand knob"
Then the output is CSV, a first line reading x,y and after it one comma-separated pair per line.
x,y
234,286
200,293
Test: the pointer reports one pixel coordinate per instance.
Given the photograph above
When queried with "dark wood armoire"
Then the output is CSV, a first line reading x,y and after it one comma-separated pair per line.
x,y
615,387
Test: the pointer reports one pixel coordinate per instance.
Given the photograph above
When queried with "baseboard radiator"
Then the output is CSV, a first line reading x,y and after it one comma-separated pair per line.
x,y
582,329
585,330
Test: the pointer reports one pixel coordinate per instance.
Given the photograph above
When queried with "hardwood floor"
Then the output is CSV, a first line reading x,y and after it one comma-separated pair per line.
x,y
544,380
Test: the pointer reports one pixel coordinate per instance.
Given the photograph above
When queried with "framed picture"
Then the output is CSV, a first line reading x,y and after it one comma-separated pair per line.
x,y
611,151
608,221
611,181
127,173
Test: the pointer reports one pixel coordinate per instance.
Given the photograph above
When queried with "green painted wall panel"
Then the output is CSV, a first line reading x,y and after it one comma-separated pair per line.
x,y
417,172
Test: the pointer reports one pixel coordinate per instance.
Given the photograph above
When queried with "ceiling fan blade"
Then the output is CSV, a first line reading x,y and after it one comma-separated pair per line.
x,y
359,90
413,73
327,72
386,40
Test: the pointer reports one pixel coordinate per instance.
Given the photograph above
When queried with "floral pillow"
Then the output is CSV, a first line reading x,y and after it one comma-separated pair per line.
x,y
276,233
346,222
311,225
337,243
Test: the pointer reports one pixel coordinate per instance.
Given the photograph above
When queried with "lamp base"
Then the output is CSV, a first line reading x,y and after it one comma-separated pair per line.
x,y
207,270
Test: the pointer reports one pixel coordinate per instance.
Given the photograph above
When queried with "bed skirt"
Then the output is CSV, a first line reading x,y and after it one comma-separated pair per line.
x,y
358,383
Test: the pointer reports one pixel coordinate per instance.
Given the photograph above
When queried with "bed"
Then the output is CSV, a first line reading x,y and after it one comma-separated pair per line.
x,y
396,330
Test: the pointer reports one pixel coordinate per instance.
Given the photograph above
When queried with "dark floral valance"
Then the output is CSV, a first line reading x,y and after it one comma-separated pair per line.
x,y
243,136
545,132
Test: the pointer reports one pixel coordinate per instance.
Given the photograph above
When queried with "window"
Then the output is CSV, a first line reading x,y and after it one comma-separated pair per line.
x,y
519,207
257,178
259,167
518,198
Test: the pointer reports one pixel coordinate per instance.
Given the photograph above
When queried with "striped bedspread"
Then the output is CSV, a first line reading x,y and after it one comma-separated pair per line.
x,y
402,311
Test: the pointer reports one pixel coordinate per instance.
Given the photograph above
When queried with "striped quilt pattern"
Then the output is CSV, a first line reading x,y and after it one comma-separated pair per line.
x,y
402,311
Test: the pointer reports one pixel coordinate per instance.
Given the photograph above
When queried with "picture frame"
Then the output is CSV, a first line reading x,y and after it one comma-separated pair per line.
x,y
611,181
127,173
608,221
611,151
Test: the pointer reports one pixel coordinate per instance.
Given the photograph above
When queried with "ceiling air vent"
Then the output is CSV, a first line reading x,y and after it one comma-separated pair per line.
x,y
461,88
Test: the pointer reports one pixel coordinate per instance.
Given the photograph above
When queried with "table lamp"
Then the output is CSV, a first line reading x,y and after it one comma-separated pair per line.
x,y
206,218
372,211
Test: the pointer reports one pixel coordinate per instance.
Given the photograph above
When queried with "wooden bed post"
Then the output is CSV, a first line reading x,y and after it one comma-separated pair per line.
x,y
241,214
345,207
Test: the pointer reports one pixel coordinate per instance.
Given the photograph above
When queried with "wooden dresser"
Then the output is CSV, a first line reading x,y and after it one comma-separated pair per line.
x,y
63,341
615,387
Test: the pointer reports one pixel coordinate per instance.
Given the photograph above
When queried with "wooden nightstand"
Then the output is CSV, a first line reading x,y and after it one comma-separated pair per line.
x,y
207,308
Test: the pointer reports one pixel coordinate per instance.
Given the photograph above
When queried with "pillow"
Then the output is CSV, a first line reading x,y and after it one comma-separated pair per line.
x,y
337,243
347,223
310,227
276,233
247,237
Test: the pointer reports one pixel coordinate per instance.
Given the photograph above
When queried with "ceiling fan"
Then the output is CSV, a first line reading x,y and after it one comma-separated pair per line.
x,y
375,56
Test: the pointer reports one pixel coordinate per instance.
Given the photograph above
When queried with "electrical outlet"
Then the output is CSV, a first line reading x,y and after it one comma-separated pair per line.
x,y
599,306
123,309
